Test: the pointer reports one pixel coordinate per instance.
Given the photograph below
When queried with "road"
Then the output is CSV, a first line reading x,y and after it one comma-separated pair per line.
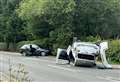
x,y
44,69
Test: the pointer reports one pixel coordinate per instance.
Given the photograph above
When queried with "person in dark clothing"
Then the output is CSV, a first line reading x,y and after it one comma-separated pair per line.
x,y
32,50
68,60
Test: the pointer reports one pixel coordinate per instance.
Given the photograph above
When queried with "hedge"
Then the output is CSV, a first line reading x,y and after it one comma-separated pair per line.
x,y
2,46
113,53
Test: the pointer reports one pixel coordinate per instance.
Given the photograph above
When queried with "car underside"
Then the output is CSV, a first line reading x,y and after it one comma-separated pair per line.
x,y
84,54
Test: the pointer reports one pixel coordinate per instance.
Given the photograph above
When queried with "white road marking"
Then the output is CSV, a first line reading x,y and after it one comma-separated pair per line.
x,y
108,78
48,61
63,68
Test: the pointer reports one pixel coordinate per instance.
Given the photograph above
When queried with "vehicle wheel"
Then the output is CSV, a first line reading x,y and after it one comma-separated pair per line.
x,y
24,54
43,54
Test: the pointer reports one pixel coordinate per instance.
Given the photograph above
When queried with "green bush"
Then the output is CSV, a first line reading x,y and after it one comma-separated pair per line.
x,y
92,38
2,46
20,44
113,53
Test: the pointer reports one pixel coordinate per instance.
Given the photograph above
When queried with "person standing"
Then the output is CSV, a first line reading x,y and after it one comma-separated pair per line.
x,y
32,50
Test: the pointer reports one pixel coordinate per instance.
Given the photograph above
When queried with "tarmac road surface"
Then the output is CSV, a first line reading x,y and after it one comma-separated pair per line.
x,y
44,69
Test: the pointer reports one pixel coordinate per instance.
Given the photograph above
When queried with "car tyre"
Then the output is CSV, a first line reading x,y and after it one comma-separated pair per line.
x,y
24,54
43,54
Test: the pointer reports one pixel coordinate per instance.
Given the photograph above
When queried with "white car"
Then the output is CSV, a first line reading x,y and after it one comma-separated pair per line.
x,y
84,53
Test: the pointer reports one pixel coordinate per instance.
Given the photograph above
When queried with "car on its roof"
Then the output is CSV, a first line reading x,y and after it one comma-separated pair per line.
x,y
84,54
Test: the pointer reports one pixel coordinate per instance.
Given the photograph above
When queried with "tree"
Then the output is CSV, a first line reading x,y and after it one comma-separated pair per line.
x,y
10,23
97,17
46,18
60,20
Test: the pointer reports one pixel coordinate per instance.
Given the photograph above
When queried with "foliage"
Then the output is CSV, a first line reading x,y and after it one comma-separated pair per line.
x,y
18,73
2,46
97,17
84,17
113,54
10,25
53,23
48,20
92,38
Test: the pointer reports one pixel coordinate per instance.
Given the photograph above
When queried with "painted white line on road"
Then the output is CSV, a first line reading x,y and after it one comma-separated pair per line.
x,y
62,68
108,78
45,60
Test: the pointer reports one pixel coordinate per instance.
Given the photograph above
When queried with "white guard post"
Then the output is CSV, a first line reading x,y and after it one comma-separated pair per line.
x,y
58,53
103,48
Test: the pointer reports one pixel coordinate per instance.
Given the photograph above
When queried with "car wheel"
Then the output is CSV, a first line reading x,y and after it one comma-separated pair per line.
x,y
43,54
24,54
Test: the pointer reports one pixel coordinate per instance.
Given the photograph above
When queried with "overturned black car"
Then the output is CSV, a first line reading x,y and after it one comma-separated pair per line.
x,y
34,50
